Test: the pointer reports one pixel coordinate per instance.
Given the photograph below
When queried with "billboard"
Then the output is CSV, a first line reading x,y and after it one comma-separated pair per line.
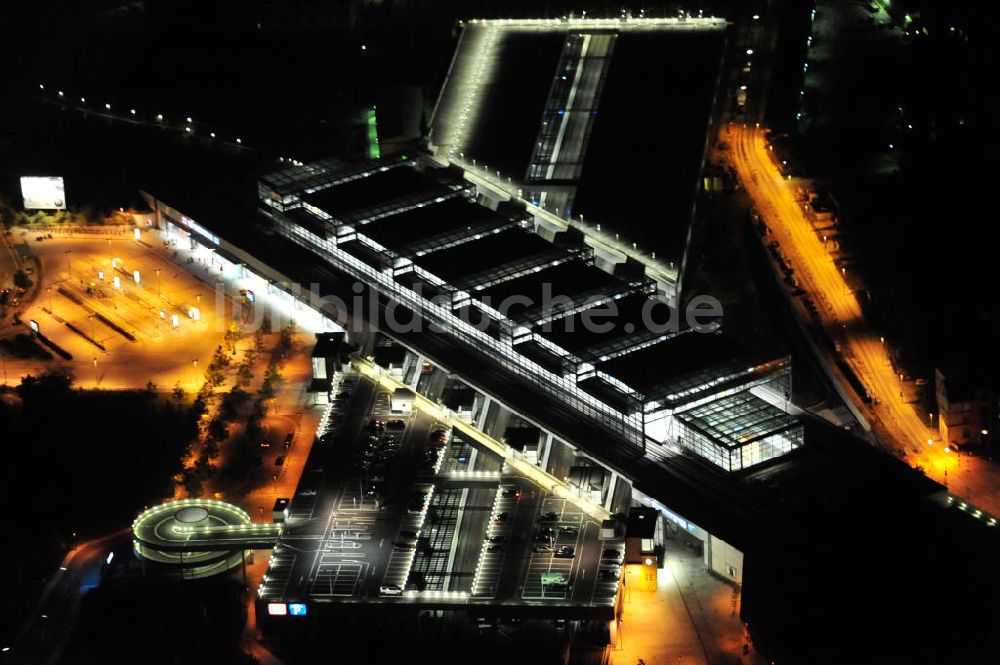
x,y
43,193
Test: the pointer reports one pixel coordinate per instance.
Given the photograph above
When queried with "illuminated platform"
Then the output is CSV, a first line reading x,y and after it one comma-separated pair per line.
x,y
505,282
599,122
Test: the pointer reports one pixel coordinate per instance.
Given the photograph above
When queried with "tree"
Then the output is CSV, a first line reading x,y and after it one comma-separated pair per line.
x,y
244,375
7,215
21,279
232,402
49,385
198,407
232,336
178,392
217,429
150,387
192,483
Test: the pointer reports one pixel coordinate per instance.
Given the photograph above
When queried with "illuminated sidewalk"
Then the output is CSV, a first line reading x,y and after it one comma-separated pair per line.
x,y
691,618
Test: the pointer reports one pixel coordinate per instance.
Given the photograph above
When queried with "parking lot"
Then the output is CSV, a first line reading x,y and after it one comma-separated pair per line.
x,y
398,508
556,542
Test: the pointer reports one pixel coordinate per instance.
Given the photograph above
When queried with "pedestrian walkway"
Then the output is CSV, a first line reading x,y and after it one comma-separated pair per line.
x,y
692,618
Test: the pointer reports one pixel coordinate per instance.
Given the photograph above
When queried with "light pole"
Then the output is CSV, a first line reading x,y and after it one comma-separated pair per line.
x,y
95,372
194,379
158,282
91,319
69,270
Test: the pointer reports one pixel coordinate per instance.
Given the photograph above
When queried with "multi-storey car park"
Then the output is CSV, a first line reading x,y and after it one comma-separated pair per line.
x,y
686,422
399,509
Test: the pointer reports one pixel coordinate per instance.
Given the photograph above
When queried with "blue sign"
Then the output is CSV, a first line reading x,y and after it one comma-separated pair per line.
x,y
250,296
297,609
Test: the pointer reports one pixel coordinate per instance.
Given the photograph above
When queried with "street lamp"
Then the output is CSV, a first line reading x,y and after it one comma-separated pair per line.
x,y
157,271
95,372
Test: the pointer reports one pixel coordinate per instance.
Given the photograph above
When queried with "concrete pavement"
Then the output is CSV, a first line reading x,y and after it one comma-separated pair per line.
x,y
692,618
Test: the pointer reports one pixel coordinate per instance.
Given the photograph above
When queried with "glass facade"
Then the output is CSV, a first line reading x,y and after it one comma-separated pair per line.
x,y
738,431
345,246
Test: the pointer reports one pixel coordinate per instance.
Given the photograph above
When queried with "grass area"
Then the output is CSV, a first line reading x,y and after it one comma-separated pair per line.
x,y
151,621
79,462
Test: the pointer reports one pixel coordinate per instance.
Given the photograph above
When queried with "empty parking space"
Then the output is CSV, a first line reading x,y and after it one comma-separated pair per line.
x,y
431,565
550,570
335,577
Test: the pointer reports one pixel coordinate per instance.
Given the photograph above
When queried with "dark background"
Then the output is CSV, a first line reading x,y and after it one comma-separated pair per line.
x,y
923,237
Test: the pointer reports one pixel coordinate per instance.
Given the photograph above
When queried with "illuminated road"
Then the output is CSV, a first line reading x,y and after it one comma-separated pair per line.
x,y
861,348
48,628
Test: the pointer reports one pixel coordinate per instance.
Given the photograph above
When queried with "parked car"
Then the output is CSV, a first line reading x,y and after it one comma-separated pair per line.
x,y
390,590
565,552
